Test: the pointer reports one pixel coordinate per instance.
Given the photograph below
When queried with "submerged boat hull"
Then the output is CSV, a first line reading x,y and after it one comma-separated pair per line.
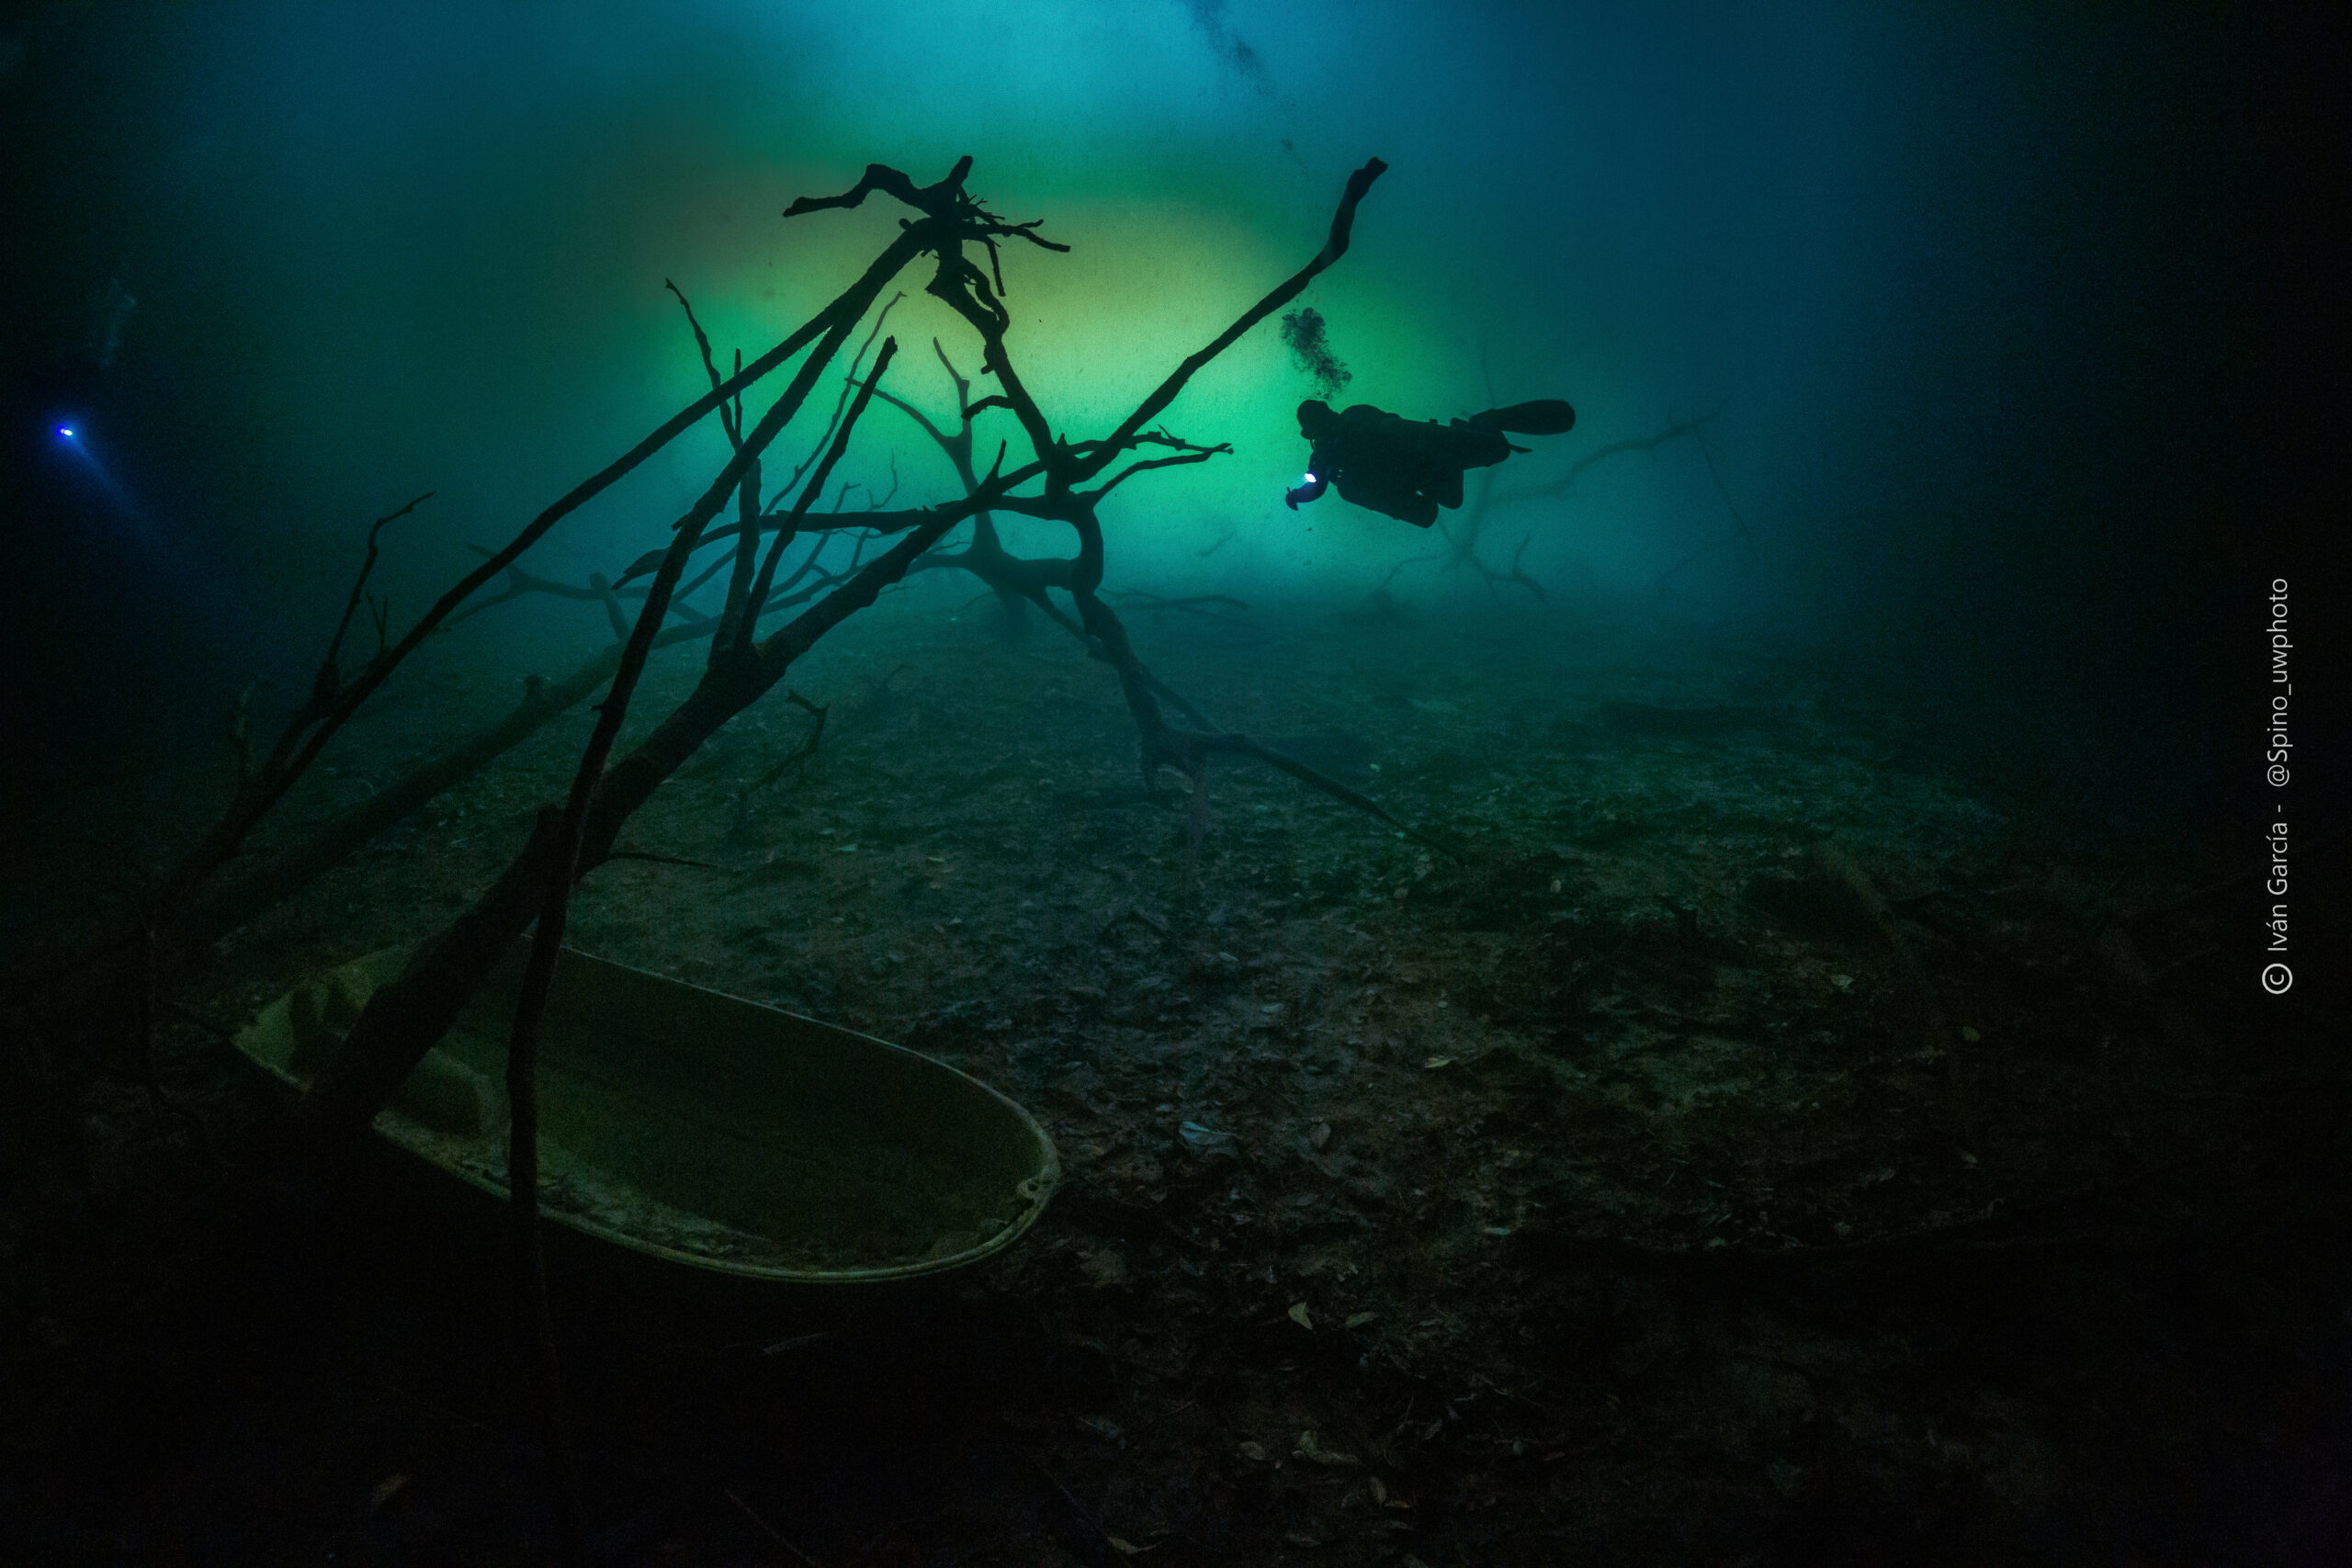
x,y
700,1128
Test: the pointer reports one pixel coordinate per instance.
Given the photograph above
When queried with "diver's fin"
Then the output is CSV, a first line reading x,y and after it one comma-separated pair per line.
x,y
1545,416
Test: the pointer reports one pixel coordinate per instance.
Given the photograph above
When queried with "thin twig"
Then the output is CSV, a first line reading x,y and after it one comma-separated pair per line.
x,y
329,672
800,754
767,1528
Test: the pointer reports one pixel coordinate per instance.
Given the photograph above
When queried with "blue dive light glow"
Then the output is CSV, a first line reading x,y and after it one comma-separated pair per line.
x,y
67,430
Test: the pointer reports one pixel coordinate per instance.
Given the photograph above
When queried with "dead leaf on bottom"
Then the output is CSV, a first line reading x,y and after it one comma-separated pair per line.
x,y
1308,1450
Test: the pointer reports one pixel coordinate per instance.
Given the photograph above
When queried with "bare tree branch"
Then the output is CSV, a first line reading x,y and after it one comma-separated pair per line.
x,y
1334,247
816,481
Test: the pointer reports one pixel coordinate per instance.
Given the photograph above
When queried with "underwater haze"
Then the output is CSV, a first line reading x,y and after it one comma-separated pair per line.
x,y
1994,311
1496,784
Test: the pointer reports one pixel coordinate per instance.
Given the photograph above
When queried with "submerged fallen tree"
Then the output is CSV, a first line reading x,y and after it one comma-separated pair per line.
x,y
403,1019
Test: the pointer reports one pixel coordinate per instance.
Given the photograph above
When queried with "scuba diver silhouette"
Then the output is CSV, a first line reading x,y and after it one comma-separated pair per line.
x,y
1408,468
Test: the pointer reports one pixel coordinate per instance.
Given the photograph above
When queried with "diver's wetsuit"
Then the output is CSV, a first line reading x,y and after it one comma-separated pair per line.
x,y
1408,468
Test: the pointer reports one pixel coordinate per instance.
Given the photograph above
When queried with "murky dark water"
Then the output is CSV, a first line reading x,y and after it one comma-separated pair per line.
x,y
1746,977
